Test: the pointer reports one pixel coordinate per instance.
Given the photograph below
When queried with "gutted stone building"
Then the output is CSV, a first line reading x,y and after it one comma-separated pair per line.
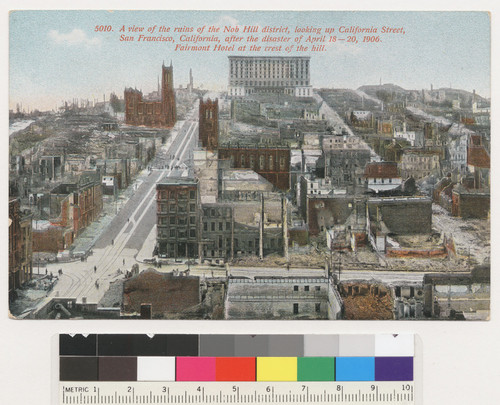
x,y
282,298
272,163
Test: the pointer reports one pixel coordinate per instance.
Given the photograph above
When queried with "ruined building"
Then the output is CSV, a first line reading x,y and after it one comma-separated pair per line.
x,y
158,113
77,205
209,123
272,163
282,298
20,247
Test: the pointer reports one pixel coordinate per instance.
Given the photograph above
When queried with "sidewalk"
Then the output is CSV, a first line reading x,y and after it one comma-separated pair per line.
x,y
148,246
111,208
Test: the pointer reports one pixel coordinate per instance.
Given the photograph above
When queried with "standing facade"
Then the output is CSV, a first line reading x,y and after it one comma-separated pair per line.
x,y
271,163
217,231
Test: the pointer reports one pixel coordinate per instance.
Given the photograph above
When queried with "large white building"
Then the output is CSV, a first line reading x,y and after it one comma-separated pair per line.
x,y
269,74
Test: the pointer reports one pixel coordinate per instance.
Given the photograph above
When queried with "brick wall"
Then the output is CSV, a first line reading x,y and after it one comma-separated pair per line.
x,y
49,240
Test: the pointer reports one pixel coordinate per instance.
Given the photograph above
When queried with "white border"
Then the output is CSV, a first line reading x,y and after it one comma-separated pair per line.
x,y
460,359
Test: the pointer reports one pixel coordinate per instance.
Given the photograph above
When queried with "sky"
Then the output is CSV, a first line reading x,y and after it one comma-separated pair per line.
x,y
57,55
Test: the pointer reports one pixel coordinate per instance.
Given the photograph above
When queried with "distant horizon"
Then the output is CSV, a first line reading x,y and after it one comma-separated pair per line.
x,y
121,95
56,56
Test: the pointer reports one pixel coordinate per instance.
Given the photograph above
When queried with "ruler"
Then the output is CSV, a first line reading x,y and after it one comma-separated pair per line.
x,y
262,393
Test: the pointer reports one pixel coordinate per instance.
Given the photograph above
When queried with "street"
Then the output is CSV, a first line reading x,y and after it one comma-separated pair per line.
x,y
118,245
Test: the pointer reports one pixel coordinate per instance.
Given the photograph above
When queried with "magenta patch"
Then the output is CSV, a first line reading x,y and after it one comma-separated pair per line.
x,y
195,369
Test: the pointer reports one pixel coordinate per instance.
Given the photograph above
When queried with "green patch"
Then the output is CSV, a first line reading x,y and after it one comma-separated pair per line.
x,y
316,369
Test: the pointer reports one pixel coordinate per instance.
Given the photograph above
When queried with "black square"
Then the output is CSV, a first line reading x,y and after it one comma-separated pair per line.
x,y
132,345
182,345
77,345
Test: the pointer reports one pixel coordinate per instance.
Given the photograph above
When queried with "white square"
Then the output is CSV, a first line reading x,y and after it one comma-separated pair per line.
x,y
156,369
395,345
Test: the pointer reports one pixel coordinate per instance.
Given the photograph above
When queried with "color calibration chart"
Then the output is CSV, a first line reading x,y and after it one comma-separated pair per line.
x,y
233,369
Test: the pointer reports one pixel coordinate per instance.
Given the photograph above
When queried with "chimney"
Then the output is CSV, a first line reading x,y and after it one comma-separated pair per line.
x,y
146,311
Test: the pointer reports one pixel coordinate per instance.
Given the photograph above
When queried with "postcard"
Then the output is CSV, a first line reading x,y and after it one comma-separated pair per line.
x,y
249,165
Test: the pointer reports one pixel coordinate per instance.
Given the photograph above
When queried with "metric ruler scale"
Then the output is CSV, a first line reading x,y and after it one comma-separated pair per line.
x,y
262,393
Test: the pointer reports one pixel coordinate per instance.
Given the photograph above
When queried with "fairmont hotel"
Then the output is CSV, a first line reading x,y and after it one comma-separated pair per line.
x,y
269,74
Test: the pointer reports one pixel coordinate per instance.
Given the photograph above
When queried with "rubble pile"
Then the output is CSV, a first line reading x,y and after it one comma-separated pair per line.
x,y
366,301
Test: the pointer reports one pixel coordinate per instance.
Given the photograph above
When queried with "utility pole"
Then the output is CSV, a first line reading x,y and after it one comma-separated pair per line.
x,y
261,228
284,227
232,233
330,267
468,261
339,263
38,258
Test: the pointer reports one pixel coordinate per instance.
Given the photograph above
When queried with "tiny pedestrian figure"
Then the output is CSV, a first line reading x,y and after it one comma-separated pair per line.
x,y
97,284
45,271
128,219
112,241
124,262
95,269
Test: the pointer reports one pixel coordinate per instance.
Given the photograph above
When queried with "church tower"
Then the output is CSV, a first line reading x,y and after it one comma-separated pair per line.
x,y
168,95
209,123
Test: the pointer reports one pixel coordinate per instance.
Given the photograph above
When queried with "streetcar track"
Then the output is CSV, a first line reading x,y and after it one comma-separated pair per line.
x,y
82,286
